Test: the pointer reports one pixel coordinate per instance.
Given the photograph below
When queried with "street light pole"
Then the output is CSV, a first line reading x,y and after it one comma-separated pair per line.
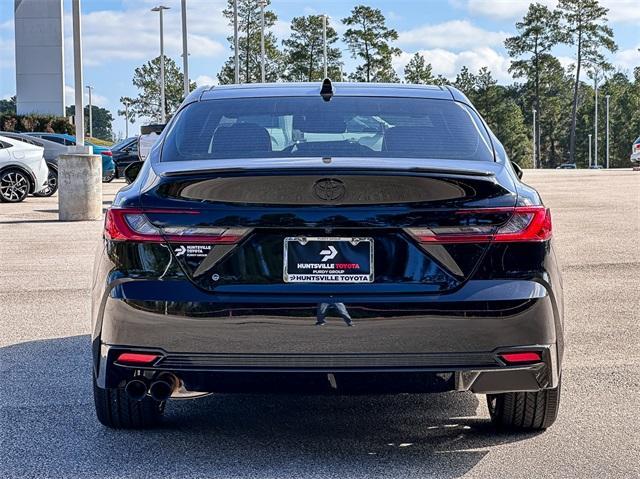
x,y
324,44
236,54
90,113
595,128
185,53
607,153
77,73
534,138
160,9
126,119
589,150
262,4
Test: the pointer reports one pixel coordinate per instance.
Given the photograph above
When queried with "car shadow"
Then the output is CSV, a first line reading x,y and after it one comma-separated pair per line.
x,y
49,429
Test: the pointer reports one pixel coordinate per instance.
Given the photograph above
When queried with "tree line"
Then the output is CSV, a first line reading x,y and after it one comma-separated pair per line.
x,y
563,103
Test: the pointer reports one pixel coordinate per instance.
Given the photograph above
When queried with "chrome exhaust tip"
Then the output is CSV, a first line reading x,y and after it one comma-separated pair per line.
x,y
163,386
136,388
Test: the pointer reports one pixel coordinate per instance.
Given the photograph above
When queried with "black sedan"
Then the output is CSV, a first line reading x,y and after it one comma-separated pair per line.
x,y
337,238
124,153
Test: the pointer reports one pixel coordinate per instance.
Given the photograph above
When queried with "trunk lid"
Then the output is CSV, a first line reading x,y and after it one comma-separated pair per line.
x,y
295,227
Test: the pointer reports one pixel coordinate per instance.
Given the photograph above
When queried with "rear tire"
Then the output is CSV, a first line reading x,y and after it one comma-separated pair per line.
x,y
52,185
116,410
524,411
109,178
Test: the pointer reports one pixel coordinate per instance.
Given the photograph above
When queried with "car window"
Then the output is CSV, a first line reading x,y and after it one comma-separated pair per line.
x,y
55,139
23,139
343,127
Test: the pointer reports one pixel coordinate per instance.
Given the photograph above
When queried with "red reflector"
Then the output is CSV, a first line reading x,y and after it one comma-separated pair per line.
x,y
523,357
137,358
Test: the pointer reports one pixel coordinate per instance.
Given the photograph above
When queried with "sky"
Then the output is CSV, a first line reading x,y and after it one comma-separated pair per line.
x,y
119,35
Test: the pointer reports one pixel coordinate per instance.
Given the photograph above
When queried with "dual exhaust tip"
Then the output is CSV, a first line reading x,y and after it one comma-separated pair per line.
x,y
160,388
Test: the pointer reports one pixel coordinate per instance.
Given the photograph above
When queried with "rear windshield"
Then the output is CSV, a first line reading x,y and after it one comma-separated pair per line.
x,y
311,127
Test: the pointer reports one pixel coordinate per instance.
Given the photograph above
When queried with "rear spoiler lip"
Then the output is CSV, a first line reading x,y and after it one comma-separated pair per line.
x,y
333,170
476,168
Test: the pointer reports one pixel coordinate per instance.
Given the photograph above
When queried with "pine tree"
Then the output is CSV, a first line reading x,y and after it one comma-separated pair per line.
x,y
538,32
418,71
304,54
584,25
249,34
502,113
145,78
368,38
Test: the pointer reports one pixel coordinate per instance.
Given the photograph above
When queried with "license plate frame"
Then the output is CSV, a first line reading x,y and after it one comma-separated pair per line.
x,y
347,273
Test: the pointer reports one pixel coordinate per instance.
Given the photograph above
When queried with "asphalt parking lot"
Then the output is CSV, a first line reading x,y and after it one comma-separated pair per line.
x,y
48,428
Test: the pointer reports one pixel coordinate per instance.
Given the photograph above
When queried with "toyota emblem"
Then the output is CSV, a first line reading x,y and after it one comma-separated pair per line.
x,y
329,189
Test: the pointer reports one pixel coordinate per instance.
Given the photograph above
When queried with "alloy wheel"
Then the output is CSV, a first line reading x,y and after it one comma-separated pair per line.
x,y
14,186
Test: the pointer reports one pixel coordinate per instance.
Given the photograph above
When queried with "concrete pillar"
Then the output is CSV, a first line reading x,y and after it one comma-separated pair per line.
x,y
79,187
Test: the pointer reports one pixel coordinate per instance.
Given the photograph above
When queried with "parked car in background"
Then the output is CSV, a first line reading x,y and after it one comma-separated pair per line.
x,y
269,243
566,166
51,152
23,169
108,166
124,153
635,151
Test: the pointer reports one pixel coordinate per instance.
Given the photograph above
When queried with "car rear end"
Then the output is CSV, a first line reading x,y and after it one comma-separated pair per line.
x,y
361,244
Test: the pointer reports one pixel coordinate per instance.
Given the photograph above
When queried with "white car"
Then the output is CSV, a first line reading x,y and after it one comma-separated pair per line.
x,y
23,170
635,151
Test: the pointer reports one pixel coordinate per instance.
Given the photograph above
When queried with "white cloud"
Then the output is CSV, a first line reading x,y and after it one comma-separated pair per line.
x,y
455,34
628,59
96,99
204,80
139,37
620,11
566,62
448,63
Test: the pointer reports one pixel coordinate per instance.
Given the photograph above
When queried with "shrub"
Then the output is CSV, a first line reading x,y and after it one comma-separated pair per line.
x,y
51,124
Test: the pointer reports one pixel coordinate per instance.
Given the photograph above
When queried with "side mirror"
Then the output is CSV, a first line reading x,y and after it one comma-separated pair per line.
x,y
131,172
517,169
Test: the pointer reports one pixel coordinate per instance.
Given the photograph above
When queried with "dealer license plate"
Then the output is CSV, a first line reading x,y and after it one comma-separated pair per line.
x,y
328,260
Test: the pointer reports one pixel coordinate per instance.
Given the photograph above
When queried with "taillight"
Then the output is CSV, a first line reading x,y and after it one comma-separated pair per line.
x,y
636,148
521,357
128,224
526,223
107,153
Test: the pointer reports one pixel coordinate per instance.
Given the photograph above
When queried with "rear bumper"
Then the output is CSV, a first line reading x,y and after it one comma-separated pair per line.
x,y
398,343
198,373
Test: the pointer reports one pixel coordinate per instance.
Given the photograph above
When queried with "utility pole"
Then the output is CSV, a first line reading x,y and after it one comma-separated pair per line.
x,y
163,117
235,42
589,150
324,43
607,153
77,73
90,113
534,138
185,53
262,4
